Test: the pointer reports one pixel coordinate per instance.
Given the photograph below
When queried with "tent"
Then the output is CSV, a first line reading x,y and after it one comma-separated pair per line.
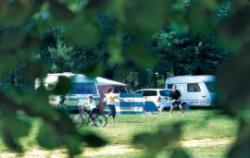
x,y
105,81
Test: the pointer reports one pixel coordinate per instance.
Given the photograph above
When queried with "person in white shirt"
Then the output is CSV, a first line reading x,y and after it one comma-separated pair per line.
x,y
91,103
110,99
92,107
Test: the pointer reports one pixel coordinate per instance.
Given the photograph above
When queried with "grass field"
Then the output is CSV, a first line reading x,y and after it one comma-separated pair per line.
x,y
197,125
208,152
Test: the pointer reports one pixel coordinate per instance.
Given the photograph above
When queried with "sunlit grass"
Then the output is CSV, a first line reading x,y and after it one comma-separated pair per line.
x,y
197,124
197,152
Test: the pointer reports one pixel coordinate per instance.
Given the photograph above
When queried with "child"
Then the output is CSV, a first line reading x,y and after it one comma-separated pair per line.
x,y
92,107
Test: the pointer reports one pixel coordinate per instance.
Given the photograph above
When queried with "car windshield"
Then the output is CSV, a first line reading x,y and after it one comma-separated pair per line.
x,y
165,93
83,88
210,86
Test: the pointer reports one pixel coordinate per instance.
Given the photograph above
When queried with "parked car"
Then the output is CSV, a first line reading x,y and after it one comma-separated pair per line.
x,y
195,90
160,97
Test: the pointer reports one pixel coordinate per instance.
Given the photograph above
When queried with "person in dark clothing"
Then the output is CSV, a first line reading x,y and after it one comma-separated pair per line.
x,y
176,97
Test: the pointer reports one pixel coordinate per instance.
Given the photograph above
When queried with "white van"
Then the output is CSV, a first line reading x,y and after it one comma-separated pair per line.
x,y
195,90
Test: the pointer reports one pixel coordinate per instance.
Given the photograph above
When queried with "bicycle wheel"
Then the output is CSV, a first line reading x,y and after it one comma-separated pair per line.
x,y
100,120
77,119
85,118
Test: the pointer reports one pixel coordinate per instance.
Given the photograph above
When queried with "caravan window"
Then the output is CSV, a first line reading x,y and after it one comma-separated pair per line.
x,y
210,86
83,88
170,86
193,87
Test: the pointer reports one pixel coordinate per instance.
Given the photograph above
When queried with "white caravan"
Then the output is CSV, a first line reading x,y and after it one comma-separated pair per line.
x,y
195,90
81,88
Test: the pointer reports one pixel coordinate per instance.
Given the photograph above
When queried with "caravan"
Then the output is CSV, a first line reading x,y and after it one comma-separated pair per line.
x,y
81,87
195,90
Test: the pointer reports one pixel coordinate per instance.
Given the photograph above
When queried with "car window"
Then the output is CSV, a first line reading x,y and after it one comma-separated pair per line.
x,y
138,92
83,88
166,93
149,93
193,87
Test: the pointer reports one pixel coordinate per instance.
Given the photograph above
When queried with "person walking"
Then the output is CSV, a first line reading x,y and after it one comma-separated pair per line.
x,y
176,97
110,99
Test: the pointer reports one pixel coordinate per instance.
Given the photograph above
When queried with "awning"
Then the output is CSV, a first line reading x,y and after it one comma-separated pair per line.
x,y
105,81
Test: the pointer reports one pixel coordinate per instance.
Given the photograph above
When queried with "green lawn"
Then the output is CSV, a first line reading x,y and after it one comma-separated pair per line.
x,y
204,152
198,124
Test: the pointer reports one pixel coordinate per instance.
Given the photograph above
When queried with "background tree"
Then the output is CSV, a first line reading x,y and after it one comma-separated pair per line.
x,y
188,54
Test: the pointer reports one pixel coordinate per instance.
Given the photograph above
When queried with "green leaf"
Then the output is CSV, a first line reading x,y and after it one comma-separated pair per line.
x,y
14,13
145,16
179,153
234,30
15,126
140,56
229,86
31,71
8,63
63,86
73,144
164,136
96,4
48,137
200,18
11,142
93,70
93,140
241,147
82,32
115,49
11,40
60,11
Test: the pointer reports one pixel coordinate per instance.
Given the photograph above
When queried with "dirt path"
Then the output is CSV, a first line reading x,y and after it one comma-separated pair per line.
x,y
114,149
121,149
207,142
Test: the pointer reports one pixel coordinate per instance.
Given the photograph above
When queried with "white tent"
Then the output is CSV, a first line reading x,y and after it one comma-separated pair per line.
x,y
78,78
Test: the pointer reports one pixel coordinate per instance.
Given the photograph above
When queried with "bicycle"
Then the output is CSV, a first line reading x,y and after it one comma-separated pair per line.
x,y
83,118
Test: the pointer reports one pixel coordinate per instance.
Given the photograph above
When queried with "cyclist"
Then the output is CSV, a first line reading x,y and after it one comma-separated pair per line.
x,y
92,107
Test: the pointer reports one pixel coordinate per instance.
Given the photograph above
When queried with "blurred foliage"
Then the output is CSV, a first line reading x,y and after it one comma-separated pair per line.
x,y
164,138
107,36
